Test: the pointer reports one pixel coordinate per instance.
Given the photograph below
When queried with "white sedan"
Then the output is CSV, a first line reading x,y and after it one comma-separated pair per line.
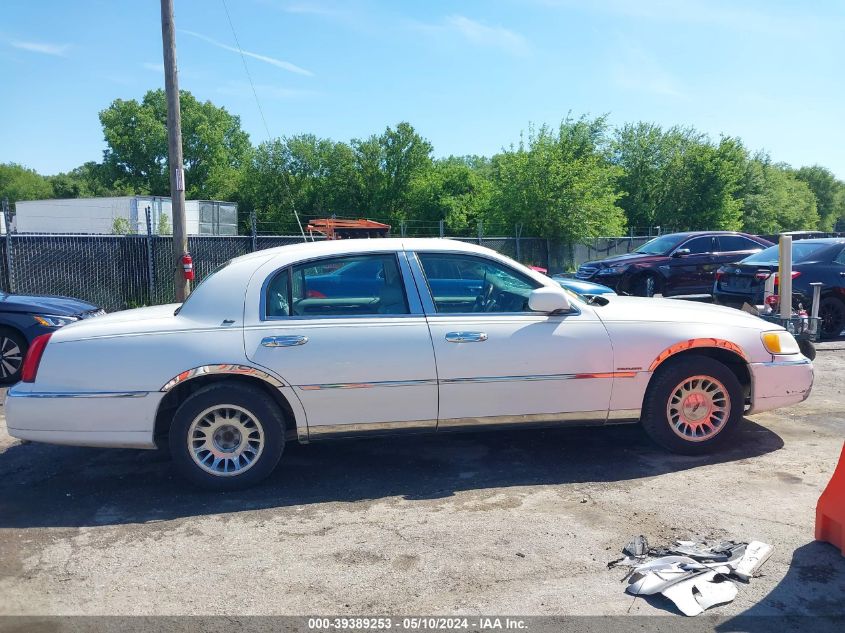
x,y
353,337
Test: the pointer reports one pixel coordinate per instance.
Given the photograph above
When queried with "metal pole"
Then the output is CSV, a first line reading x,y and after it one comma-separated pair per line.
x,y
253,227
10,261
442,228
174,149
480,231
785,276
151,278
517,229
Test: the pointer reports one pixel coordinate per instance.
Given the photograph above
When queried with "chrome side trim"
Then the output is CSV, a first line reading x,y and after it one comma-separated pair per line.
x,y
622,416
13,393
339,430
367,385
208,370
589,417
536,377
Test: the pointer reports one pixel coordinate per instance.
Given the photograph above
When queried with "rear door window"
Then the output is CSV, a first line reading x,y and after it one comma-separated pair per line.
x,y
341,286
736,243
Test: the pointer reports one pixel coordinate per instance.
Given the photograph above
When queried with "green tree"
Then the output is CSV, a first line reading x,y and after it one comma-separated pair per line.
x,y
19,183
560,184
829,193
774,199
450,190
214,146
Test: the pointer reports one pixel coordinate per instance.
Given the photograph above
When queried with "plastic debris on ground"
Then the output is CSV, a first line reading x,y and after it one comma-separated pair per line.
x,y
693,575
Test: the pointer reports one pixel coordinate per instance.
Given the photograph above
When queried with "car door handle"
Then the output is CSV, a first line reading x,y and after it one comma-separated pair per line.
x,y
466,337
284,341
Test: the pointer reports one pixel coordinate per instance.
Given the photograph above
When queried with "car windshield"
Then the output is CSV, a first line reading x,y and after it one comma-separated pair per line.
x,y
801,251
658,246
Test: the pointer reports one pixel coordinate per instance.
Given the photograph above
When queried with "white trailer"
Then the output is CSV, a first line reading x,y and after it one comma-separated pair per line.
x,y
125,214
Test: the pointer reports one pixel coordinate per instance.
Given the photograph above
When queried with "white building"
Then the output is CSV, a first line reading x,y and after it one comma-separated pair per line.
x,y
123,214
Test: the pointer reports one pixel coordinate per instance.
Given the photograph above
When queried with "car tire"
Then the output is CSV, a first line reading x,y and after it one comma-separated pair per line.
x,y
807,348
832,315
672,410
227,436
13,348
646,285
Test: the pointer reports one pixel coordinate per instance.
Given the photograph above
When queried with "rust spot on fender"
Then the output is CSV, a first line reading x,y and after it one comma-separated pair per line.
x,y
694,343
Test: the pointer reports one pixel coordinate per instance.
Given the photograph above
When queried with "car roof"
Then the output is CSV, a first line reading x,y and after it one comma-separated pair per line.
x,y
688,234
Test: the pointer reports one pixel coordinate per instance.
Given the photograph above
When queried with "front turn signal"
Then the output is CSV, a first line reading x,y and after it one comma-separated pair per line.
x,y
781,342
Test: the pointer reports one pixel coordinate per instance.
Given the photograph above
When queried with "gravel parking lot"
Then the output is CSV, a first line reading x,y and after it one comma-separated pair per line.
x,y
510,522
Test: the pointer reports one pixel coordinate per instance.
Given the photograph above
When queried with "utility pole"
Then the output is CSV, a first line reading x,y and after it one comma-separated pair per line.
x,y
174,149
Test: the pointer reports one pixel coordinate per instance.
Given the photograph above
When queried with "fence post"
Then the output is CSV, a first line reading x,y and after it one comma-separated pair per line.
x,y
151,277
480,232
253,228
10,260
402,228
517,230
442,228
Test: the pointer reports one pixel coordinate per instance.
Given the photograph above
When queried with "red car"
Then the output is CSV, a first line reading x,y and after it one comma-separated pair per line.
x,y
673,264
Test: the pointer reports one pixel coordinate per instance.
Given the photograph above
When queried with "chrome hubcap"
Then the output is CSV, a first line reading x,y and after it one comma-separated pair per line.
x,y
698,408
11,358
225,440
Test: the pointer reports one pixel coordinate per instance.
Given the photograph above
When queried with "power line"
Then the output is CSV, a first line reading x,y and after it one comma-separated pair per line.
x,y
260,110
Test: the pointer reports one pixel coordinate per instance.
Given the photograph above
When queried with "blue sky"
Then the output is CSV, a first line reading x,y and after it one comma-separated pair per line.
x,y
469,75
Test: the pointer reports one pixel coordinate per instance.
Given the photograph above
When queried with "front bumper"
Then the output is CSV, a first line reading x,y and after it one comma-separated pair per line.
x,y
781,382
116,419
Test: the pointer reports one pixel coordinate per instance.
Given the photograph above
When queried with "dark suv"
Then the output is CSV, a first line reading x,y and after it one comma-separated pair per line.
x,y
673,264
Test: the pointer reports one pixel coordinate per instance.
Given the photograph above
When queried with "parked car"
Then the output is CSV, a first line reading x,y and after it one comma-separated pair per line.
x,y
25,317
251,361
586,289
672,264
813,260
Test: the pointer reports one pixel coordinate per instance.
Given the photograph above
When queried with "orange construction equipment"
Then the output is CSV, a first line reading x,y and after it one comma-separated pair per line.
x,y
343,229
830,511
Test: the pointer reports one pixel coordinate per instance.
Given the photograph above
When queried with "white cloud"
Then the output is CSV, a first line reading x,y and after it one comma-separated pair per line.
x,y
45,48
269,91
156,68
479,33
640,72
264,58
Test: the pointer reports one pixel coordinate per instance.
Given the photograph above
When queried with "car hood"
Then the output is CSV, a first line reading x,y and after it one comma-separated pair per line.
x,y
627,258
622,308
59,306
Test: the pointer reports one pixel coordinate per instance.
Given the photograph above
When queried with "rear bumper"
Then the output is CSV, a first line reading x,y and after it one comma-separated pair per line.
x,y
784,381
116,419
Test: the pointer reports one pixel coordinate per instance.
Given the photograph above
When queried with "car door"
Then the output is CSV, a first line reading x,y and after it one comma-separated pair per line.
x,y
688,272
358,355
500,363
730,249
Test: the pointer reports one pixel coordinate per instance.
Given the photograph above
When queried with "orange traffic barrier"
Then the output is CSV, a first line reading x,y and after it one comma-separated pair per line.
x,y
830,511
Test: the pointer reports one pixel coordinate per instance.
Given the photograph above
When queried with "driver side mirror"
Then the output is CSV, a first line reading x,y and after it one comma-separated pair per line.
x,y
681,252
548,300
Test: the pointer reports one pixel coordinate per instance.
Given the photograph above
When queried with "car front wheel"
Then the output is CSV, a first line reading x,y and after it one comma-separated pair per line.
x,y
12,350
693,405
227,436
832,315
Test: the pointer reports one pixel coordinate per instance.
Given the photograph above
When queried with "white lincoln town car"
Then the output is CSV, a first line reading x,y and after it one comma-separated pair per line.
x,y
350,337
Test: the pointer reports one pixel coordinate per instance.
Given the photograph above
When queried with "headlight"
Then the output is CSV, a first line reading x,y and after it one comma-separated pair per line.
x,y
613,270
48,320
780,343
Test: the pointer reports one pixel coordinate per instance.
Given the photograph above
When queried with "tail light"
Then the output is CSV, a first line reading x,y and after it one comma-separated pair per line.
x,y
33,357
720,275
795,273
763,274
772,300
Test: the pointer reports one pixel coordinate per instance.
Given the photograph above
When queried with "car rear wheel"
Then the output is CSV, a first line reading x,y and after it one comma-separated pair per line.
x,y
646,285
13,348
227,436
693,405
832,315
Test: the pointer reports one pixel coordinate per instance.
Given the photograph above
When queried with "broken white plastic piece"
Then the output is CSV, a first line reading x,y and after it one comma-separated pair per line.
x,y
756,553
698,594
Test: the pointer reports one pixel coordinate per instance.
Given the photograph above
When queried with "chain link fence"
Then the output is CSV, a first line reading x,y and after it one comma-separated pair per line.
x,y
117,272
